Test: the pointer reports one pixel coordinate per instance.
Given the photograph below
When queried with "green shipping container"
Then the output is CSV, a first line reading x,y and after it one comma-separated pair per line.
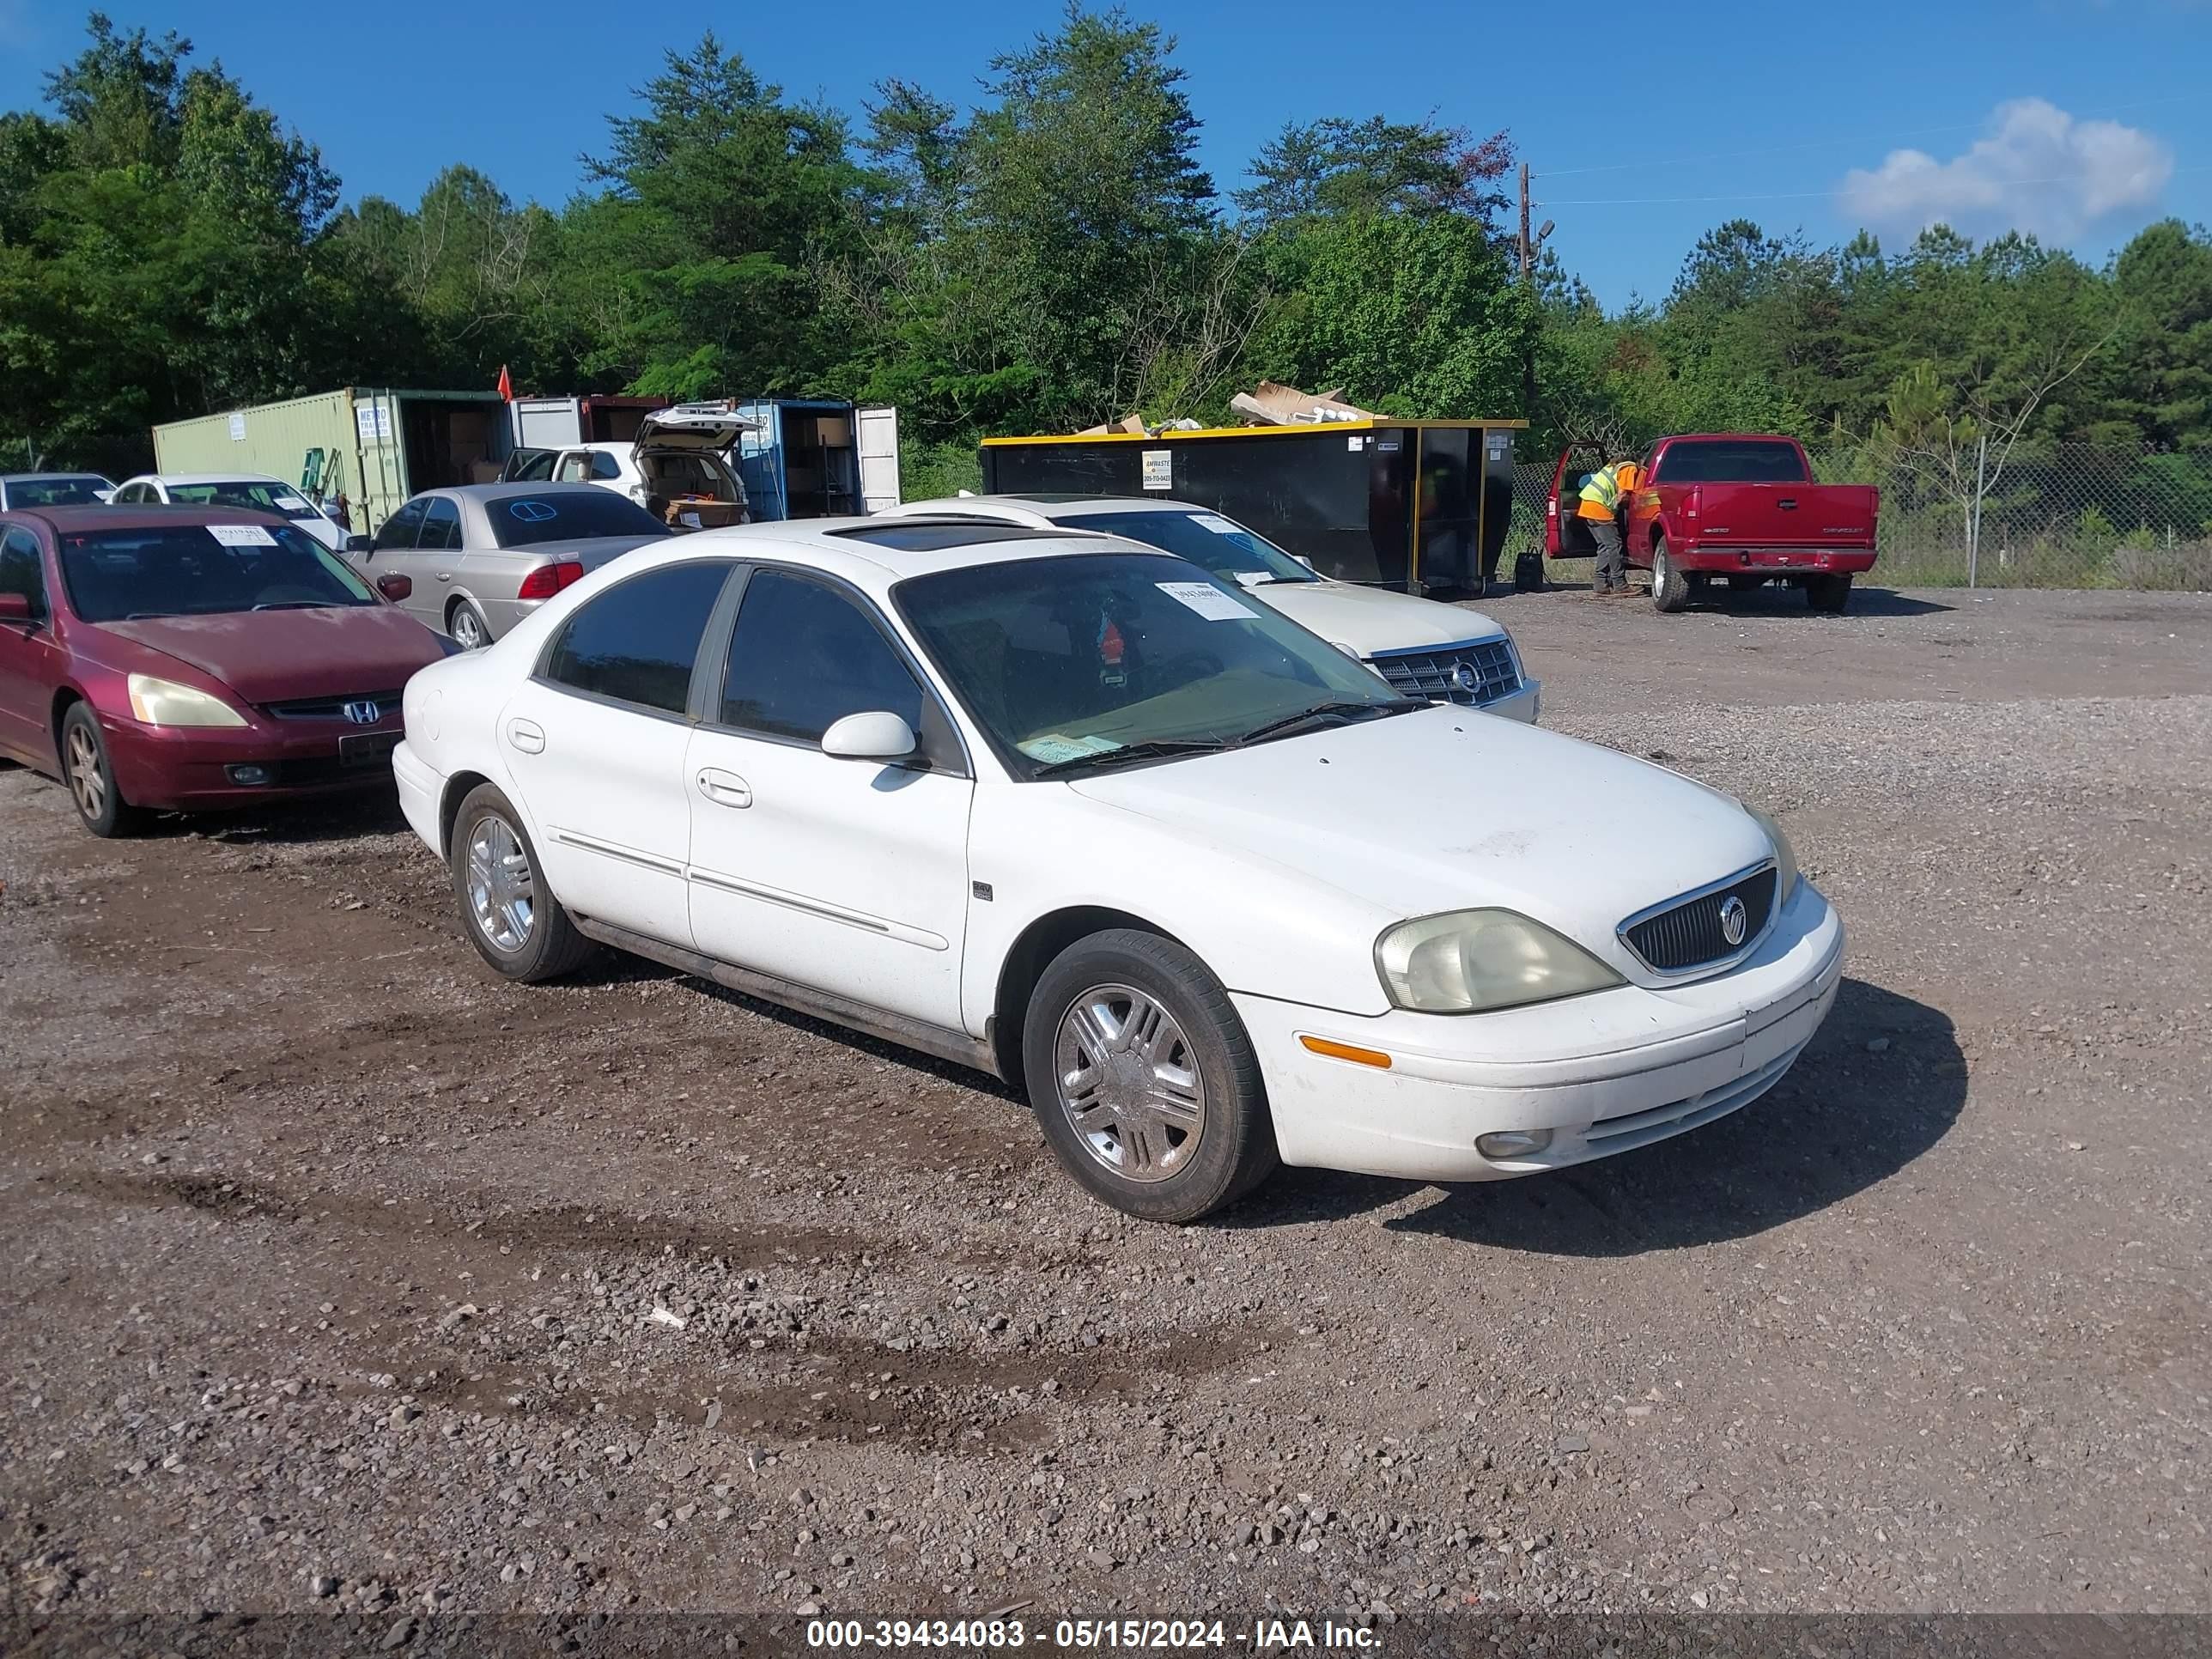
x,y
376,447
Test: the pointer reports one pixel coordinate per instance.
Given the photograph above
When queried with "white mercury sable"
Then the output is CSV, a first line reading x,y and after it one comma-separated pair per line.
x,y
1079,813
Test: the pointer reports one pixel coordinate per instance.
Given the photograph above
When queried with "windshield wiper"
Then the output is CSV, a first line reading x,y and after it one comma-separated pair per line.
x,y
299,604
1154,748
1322,711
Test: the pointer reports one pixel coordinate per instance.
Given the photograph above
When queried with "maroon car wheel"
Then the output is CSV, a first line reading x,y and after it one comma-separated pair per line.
x,y
91,780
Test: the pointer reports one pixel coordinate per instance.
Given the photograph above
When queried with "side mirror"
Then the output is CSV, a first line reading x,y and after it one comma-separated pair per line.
x,y
16,608
876,736
359,544
395,586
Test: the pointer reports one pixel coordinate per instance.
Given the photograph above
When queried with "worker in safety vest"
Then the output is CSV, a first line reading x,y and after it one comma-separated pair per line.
x,y
1603,496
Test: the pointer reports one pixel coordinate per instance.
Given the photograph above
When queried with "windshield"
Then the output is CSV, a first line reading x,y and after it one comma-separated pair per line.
x,y
568,516
1221,545
56,492
1085,657
254,495
203,570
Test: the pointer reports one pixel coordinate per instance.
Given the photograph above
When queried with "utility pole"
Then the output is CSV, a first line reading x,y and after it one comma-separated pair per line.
x,y
1529,245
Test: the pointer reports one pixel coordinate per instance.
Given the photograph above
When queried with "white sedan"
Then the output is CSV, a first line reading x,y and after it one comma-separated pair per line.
x,y
1423,647
1079,813
255,492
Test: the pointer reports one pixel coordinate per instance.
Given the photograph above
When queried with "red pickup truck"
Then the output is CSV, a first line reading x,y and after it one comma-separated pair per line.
x,y
1737,507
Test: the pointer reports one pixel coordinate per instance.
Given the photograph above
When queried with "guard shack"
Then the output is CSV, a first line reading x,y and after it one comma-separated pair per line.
x,y
1417,505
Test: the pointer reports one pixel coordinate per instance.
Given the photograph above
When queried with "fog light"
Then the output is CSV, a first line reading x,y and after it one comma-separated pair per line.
x,y
249,775
1513,1143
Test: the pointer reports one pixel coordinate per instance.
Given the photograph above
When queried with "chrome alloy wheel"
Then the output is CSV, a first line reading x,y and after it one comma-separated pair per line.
x,y
503,891
1128,1080
87,778
468,628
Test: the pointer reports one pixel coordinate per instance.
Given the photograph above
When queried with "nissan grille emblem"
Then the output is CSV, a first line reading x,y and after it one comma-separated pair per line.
x,y
365,713
1465,678
1736,920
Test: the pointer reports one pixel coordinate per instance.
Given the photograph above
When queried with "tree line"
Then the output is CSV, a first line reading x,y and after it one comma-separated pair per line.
x,y
1051,255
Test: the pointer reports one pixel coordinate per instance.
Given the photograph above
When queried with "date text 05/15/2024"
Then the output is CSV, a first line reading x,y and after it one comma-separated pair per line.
x,y
1088,1635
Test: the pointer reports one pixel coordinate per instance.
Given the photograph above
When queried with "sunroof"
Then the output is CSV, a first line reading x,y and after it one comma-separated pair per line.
x,y
935,535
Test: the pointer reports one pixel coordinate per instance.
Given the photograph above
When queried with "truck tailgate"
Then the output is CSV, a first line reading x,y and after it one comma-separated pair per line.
x,y
1785,515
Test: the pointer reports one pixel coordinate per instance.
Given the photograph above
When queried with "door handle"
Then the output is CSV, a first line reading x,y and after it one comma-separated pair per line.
x,y
1787,504
445,575
527,736
724,788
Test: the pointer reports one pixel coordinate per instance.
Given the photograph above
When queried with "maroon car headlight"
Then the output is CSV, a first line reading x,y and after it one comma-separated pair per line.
x,y
165,702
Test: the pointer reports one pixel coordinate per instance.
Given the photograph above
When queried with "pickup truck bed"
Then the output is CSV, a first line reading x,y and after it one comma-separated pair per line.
x,y
1737,507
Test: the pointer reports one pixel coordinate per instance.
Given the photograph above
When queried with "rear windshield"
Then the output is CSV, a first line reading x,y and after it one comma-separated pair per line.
x,y
1728,461
568,516
55,492
255,496
203,570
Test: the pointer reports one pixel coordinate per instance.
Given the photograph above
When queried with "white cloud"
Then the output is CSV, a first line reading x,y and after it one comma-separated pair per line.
x,y
2038,169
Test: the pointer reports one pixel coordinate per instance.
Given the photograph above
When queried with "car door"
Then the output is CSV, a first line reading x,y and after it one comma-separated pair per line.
x,y
438,554
846,876
29,651
596,742
393,553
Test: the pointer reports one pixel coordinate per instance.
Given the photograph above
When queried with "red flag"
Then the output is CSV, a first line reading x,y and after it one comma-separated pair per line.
x,y
506,385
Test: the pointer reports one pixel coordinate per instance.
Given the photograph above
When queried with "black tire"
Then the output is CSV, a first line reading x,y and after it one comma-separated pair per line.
x,y
1528,572
90,778
1829,594
1233,1149
466,627
1670,587
549,945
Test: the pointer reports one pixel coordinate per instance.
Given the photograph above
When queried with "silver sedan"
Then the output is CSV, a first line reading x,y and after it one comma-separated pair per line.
x,y
483,556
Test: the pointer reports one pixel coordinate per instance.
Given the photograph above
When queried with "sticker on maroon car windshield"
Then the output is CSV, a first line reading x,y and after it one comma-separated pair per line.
x,y
241,535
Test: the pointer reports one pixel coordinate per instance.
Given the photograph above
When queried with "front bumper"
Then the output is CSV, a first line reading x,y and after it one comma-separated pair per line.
x,y
1604,1073
188,769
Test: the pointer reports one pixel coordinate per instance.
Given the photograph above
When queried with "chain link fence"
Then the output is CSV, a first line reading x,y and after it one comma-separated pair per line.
x,y
2074,516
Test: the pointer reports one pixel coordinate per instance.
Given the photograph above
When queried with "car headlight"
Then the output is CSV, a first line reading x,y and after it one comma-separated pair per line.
x,y
1469,961
1785,856
164,702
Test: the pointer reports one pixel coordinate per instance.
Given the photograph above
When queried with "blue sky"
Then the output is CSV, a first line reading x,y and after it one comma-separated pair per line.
x,y
2083,119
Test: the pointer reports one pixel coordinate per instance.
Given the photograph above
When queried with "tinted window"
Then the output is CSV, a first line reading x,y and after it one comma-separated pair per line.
x,y
1222,545
537,469
568,516
441,525
19,570
636,642
605,465
399,530
54,492
1752,462
187,570
804,656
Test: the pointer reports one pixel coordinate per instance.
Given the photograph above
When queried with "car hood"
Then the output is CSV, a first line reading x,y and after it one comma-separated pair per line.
x,y
1372,619
277,656
1445,809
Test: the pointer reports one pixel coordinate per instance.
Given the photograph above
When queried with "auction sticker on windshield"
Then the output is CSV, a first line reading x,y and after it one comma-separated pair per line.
x,y
290,504
1052,746
241,535
1216,524
1209,601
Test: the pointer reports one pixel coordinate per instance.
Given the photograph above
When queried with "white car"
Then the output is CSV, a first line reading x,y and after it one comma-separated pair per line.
x,y
1076,812
254,491
675,466
1423,649
20,490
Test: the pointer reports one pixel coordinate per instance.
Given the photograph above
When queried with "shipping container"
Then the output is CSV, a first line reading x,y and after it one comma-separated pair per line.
x,y
1419,505
560,423
375,446
815,457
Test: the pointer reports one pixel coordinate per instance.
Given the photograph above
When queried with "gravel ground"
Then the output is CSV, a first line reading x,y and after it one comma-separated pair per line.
x,y
348,1281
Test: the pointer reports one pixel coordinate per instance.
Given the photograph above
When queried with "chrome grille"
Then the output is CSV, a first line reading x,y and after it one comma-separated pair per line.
x,y
1435,674
331,708
1690,934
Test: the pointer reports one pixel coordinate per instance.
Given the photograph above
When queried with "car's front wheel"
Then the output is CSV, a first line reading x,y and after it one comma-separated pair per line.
x,y
91,779
1144,1079
507,910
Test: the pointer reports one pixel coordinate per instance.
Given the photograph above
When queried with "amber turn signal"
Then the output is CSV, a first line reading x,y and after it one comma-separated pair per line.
x,y
1374,1057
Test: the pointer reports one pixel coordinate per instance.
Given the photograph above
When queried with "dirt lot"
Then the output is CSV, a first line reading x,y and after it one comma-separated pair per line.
x,y
331,1260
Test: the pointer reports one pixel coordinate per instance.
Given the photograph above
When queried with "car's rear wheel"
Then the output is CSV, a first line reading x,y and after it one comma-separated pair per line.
x,y
507,910
1144,1079
1828,593
466,626
91,780
1670,586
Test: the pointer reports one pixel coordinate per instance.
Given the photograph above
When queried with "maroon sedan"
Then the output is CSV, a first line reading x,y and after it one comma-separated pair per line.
x,y
187,659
